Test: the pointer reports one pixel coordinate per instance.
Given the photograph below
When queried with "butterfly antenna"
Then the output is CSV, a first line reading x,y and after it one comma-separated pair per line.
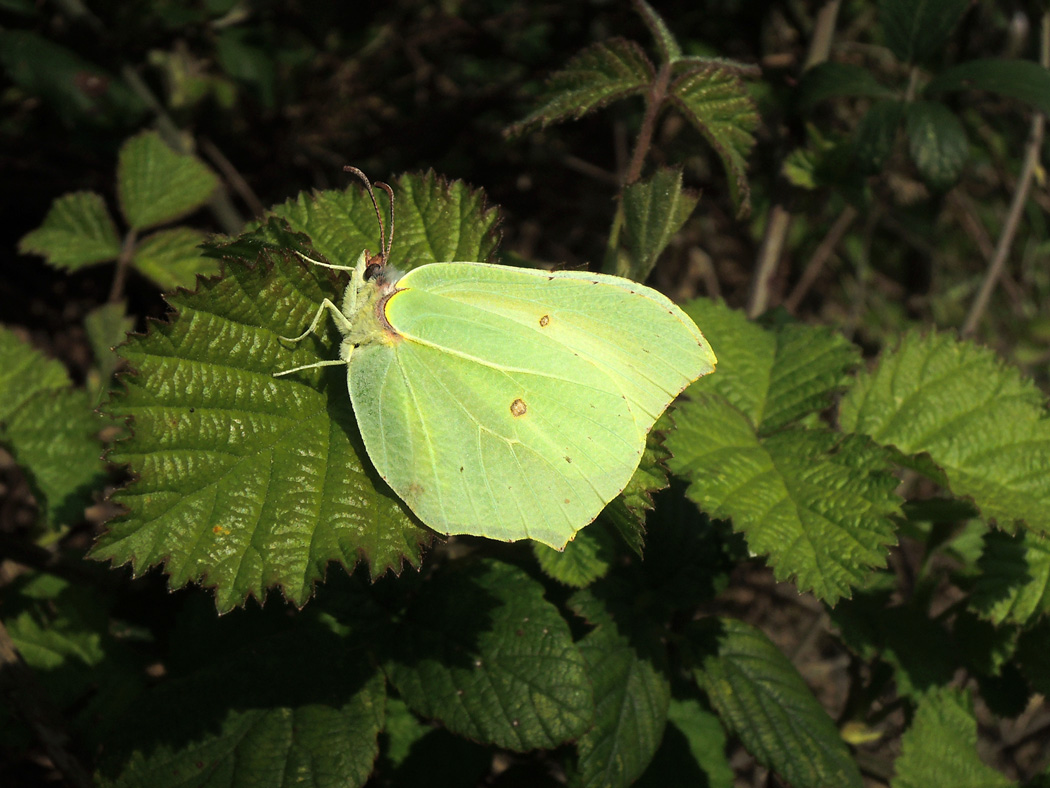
x,y
368,185
389,236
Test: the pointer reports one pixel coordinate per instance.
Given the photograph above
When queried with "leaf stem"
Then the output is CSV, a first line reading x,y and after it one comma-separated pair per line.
x,y
1017,204
127,251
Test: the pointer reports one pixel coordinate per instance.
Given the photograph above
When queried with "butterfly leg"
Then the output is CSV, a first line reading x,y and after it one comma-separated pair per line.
x,y
341,321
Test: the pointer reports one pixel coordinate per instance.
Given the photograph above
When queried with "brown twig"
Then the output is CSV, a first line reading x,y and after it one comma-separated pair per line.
x,y
1017,204
772,246
820,256
232,175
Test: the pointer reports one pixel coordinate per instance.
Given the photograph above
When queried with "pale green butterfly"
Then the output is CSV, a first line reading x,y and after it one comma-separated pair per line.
x,y
506,402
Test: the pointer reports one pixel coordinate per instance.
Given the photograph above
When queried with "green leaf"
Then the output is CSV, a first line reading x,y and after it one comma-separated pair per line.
x,y
1014,584
1017,79
976,418
876,135
157,185
172,258
937,142
716,102
654,210
816,503
25,372
76,232
486,655
77,90
298,706
244,481
919,650
665,41
595,77
940,748
631,694
835,80
773,377
437,221
692,751
107,326
50,430
584,559
54,438
916,30
760,696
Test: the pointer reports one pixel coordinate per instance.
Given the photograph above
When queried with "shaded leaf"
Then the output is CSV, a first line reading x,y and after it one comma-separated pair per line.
x,y
654,210
975,417
158,185
172,258
716,102
876,135
940,748
817,503
836,80
230,723
24,372
424,755
586,558
917,30
631,693
692,751
760,696
595,77
76,232
486,655
1017,79
1014,583
937,143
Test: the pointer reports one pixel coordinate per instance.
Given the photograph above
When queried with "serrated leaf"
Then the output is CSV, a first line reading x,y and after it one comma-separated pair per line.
x,y
937,142
665,41
486,655
595,77
836,80
1014,584
760,696
25,372
919,649
157,185
76,232
243,481
939,749
816,503
54,438
437,221
172,258
653,211
631,694
106,326
774,377
586,558
876,135
716,102
231,723
976,418
916,30
1017,79
692,751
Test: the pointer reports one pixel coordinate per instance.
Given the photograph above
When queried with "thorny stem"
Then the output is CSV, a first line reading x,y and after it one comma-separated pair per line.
x,y
779,222
1017,204
654,102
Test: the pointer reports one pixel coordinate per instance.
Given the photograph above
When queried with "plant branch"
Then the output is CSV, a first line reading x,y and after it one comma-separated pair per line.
x,y
127,251
820,256
779,221
1017,204
653,104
